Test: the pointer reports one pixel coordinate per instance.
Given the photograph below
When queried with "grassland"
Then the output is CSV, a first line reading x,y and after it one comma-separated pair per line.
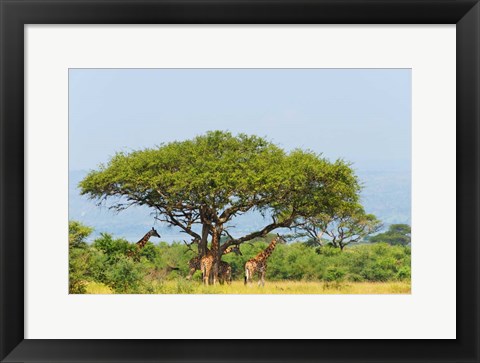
x,y
271,287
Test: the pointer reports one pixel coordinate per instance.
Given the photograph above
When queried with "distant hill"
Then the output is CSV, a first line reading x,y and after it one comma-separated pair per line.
x,y
386,193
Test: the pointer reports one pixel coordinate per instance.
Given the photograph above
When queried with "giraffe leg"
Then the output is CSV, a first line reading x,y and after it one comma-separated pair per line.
x,y
264,272
261,275
215,273
228,277
210,275
248,276
206,274
249,272
190,273
221,276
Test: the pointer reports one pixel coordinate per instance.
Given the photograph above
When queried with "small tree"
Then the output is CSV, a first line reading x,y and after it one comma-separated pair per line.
x,y
350,224
78,256
397,234
77,233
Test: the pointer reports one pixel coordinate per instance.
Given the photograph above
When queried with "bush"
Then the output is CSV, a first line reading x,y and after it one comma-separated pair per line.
x,y
404,273
78,258
328,251
334,274
112,248
124,276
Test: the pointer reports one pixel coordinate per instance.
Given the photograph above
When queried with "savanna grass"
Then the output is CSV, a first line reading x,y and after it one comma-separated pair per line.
x,y
271,287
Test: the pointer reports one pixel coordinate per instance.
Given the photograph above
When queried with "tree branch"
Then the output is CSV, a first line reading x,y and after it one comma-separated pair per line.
x,y
175,222
261,233
228,212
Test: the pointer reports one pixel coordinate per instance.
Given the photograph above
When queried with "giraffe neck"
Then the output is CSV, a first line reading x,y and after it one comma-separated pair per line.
x,y
215,242
144,239
268,251
228,250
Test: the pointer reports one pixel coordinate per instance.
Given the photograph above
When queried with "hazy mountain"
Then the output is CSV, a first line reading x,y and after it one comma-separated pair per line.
x,y
386,194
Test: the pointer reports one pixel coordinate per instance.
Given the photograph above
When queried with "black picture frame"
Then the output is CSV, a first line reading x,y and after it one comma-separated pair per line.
x,y
16,13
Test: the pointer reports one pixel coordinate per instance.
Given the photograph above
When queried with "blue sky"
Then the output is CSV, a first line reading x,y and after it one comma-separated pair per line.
x,y
362,115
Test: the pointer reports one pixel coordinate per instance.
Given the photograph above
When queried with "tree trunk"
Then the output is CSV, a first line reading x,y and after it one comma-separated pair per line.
x,y
202,245
217,232
319,238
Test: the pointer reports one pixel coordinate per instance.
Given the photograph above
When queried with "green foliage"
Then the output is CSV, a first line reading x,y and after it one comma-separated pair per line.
x,y
79,263
79,256
112,248
397,234
334,274
125,276
106,263
328,250
77,233
404,273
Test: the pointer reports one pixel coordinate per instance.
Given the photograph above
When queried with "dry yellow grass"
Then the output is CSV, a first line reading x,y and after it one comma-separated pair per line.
x,y
97,288
271,287
286,287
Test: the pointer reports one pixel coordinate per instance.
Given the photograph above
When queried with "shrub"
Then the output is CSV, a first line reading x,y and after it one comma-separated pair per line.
x,y
124,276
328,251
334,274
404,273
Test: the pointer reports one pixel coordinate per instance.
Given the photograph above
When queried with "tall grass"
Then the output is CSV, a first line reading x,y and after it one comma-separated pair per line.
x,y
181,286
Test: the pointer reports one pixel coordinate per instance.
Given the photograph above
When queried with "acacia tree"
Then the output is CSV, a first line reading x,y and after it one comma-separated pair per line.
x,y
397,234
200,185
346,225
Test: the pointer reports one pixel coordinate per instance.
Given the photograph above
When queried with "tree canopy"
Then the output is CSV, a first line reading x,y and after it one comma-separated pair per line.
x,y
347,225
397,234
210,179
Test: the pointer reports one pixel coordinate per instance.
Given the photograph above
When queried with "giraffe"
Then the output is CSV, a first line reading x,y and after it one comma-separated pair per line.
x,y
207,262
195,263
224,273
258,264
224,268
143,241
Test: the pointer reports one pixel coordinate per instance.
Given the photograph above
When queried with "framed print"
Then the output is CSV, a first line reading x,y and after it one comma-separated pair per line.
x,y
239,181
